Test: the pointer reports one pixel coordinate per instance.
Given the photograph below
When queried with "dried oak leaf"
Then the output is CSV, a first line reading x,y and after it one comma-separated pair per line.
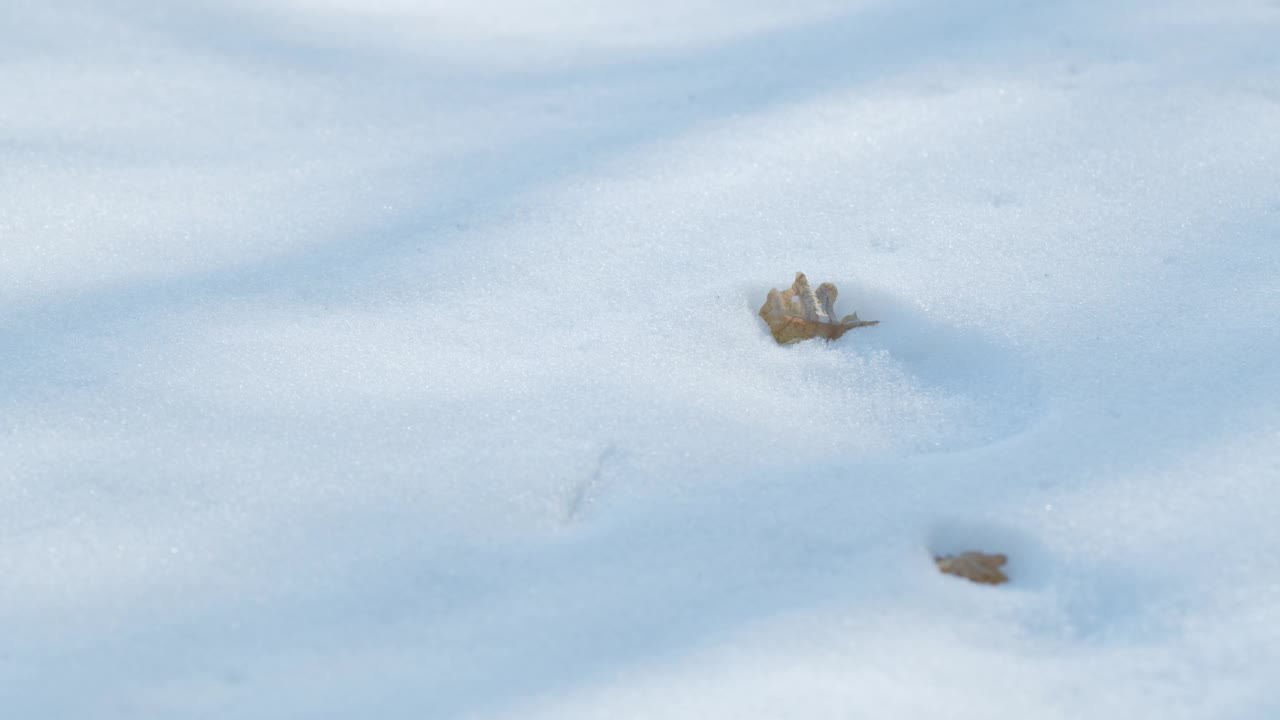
x,y
975,566
799,313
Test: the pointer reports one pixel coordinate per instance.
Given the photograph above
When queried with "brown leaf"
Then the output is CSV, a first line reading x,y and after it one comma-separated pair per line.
x,y
799,313
975,566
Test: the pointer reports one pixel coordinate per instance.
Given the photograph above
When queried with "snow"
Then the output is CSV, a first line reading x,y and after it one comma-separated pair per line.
x,y
400,359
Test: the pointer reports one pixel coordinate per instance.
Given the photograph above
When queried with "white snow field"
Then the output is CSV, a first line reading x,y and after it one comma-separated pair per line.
x,y
400,359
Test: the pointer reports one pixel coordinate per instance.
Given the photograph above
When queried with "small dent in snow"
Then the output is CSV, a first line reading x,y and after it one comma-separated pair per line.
x,y
584,492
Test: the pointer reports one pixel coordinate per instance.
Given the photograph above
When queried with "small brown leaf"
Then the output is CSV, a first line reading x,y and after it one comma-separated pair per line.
x,y
799,313
975,566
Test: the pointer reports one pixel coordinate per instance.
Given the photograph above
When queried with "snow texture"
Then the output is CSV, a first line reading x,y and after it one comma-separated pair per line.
x,y
400,359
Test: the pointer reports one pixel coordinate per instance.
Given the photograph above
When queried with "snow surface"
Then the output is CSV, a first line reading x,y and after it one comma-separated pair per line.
x,y
399,359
